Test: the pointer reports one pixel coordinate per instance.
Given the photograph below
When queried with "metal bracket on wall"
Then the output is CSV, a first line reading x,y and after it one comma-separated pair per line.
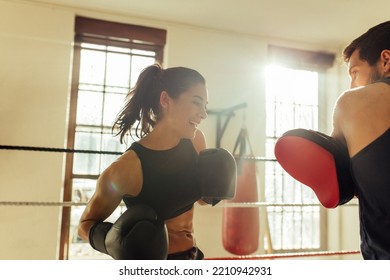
x,y
228,113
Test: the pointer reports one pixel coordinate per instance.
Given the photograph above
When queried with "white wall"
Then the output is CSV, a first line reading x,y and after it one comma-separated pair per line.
x,y
35,66
35,56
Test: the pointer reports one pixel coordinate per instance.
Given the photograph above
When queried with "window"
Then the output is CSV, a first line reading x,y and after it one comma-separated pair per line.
x,y
108,58
293,91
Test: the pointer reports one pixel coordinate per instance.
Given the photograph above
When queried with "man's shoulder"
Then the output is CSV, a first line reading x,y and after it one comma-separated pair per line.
x,y
358,95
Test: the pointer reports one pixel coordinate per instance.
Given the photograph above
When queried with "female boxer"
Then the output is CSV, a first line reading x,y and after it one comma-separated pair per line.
x,y
163,111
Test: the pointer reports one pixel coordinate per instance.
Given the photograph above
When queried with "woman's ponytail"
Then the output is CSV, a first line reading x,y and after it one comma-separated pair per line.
x,y
142,104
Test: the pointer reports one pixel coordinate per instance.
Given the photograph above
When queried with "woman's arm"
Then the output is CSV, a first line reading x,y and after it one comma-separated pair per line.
x,y
121,177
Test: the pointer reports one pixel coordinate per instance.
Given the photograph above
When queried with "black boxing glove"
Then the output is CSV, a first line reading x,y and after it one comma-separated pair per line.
x,y
319,161
138,234
217,175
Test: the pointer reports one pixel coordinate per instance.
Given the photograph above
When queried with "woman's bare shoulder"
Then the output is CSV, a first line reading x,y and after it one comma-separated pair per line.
x,y
124,174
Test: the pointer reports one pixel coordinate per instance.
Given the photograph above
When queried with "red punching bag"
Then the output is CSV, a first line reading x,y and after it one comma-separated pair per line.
x,y
241,225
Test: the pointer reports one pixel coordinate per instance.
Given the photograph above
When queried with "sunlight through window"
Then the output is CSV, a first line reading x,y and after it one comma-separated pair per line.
x,y
291,102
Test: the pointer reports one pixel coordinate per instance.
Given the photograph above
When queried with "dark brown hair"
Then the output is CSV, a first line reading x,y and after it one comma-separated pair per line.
x,y
142,107
370,44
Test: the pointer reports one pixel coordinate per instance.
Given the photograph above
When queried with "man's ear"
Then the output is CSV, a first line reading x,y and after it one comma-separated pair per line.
x,y
164,99
385,57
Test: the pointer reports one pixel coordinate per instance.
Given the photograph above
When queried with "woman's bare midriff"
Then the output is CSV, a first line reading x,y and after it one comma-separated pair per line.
x,y
180,232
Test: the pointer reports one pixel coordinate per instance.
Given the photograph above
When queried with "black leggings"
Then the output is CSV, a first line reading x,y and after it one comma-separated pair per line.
x,y
192,254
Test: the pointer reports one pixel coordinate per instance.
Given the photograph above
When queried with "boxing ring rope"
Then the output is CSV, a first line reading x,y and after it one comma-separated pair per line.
x,y
220,205
290,255
56,150
63,150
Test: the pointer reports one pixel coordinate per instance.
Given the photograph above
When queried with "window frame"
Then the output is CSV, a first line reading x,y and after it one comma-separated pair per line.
x,y
319,62
94,31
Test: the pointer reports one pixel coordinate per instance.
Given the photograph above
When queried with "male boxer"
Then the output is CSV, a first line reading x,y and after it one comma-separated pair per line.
x,y
361,122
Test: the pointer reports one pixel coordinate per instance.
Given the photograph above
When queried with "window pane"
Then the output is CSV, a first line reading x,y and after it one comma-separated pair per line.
x,y
83,189
92,67
89,108
87,163
112,104
284,120
311,235
118,71
138,63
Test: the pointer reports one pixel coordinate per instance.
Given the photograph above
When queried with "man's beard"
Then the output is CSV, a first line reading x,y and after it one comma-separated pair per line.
x,y
376,75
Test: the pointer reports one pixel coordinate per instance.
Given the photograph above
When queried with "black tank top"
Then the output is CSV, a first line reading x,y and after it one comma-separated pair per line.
x,y
169,179
371,169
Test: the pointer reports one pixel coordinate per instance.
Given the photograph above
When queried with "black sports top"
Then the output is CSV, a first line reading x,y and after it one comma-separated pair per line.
x,y
169,179
371,168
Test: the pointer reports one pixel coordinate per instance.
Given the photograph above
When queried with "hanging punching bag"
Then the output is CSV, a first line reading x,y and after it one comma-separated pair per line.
x,y
240,225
